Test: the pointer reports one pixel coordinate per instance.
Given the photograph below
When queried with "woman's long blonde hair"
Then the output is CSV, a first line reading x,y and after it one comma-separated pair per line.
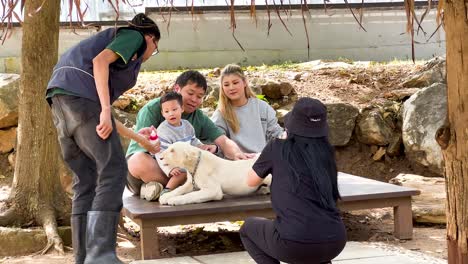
x,y
225,104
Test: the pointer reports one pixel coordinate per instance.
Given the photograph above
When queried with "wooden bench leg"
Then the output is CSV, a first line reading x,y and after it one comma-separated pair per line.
x,y
149,241
403,220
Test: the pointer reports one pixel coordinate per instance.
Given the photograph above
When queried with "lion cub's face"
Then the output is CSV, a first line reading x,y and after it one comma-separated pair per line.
x,y
178,154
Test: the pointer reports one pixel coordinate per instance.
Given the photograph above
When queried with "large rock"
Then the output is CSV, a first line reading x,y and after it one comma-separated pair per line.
x,y
424,113
7,140
433,71
373,129
212,95
122,102
276,90
400,94
342,120
282,111
256,85
213,89
395,147
129,120
429,206
9,86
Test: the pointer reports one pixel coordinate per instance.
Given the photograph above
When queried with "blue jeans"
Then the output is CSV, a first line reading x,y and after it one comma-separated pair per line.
x,y
99,166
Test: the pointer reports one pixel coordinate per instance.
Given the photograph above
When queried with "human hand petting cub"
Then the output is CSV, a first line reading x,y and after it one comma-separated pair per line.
x,y
210,148
175,172
244,156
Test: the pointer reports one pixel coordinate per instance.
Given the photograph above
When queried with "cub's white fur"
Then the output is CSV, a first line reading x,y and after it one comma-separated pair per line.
x,y
213,177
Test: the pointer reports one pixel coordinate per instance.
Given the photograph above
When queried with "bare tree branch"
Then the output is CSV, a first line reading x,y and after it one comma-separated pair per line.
x,y
409,8
279,16
269,24
355,18
233,24
437,29
305,7
252,12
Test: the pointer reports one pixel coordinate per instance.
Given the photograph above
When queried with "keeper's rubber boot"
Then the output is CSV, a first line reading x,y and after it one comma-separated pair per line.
x,y
78,225
101,238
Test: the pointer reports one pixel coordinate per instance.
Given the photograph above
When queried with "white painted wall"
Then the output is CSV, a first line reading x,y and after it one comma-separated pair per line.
x,y
206,39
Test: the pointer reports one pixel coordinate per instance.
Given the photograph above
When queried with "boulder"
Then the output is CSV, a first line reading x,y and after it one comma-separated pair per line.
x,y
7,140
341,120
212,95
276,90
394,148
129,120
122,102
256,85
400,94
372,129
433,71
9,87
429,206
423,114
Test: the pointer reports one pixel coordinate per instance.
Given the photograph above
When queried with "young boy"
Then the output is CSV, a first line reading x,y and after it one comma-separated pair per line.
x,y
173,129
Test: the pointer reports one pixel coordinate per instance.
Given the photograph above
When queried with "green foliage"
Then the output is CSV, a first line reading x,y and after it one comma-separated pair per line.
x,y
395,61
132,107
282,66
262,97
346,60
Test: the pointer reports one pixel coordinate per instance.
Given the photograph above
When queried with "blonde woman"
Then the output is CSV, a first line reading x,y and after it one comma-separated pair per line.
x,y
247,120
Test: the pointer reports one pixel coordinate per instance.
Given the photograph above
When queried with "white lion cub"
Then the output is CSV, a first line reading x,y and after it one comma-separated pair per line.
x,y
210,175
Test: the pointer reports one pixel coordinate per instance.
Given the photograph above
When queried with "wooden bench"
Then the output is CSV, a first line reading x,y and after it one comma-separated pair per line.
x,y
357,193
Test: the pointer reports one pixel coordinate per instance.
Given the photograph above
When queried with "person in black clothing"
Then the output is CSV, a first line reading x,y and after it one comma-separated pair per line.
x,y
304,191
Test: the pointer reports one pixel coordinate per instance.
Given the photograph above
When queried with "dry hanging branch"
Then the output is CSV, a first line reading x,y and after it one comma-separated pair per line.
x,y
252,11
269,18
409,7
233,24
305,7
439,18
279,16
355,18
428,8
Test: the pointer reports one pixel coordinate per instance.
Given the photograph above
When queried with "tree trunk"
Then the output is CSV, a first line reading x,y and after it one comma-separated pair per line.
x,y
37,196
456,153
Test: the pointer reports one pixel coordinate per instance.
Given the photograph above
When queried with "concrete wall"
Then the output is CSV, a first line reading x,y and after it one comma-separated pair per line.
x,y
205,40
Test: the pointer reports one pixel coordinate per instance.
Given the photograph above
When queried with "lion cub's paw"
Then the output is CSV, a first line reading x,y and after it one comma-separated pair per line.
x,y
177,200
165,197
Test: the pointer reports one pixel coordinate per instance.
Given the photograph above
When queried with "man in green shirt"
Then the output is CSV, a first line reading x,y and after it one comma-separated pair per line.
x,y
142,167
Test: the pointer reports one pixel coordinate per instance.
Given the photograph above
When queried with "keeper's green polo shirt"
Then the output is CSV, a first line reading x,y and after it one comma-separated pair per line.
x,y
125,45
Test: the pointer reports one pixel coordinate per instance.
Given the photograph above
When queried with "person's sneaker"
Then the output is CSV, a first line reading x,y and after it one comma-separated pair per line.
x,y
150,191
165,190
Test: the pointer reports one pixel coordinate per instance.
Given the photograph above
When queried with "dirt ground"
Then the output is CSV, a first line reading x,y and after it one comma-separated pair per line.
x,y
360,86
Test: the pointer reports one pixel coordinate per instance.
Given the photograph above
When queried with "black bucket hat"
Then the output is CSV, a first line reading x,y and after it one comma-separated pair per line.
x,y
307,119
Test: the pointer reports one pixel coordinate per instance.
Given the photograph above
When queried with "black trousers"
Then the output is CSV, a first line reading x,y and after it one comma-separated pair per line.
x,y
99,166
264,245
